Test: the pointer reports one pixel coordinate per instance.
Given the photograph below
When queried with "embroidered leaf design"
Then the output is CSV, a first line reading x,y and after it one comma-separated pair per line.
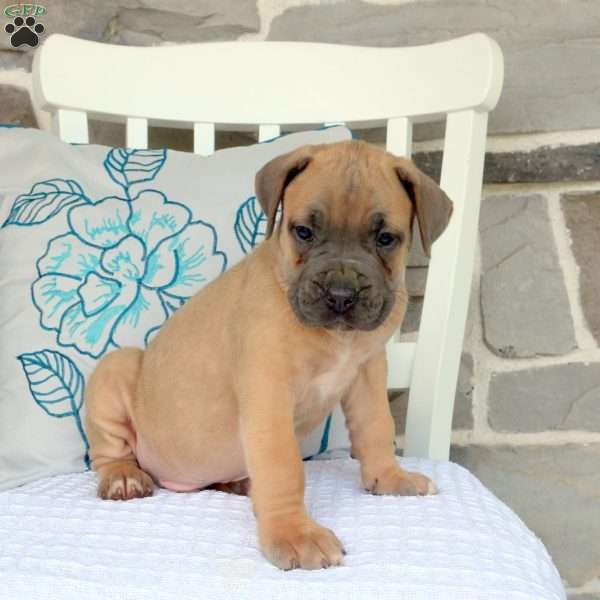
x,y
127,167
250,224
45,200
56,385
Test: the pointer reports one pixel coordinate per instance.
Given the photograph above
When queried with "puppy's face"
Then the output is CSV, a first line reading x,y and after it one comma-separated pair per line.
x,y
345,231
344,236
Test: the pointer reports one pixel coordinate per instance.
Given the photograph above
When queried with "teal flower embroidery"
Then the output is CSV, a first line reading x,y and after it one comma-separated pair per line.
x,y
122,268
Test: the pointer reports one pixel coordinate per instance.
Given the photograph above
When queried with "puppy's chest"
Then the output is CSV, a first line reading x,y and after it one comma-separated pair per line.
x,y
323,390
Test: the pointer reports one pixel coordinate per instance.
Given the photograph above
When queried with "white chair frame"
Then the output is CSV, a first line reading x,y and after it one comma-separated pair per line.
x,y
264,85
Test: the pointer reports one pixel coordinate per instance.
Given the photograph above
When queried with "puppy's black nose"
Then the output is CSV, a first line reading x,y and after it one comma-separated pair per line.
x,y
340,299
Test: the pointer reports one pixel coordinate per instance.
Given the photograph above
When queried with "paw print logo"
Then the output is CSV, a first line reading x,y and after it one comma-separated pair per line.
x,y
24,31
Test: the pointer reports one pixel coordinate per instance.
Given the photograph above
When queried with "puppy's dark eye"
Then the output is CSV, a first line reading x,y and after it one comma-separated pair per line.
x,y
304,233
386,240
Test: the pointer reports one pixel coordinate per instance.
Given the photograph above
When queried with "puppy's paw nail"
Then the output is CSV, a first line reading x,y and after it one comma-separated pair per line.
x,y
431,489
292,565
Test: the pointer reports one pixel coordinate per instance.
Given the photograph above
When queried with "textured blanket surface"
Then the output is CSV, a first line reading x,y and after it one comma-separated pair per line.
x,y
58,541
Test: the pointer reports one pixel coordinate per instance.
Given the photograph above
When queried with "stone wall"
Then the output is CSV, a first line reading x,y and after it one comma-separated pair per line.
x,y
527,419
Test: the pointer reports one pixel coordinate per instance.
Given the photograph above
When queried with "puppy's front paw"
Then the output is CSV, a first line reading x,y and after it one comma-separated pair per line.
x,y
398,482
124,481
300,543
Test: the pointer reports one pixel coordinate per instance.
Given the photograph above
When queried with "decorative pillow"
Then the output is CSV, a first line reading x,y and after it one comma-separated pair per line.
x,y
98,246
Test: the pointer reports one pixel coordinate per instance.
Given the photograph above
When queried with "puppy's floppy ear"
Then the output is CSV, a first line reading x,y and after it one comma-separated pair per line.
x,y
432,207
275,176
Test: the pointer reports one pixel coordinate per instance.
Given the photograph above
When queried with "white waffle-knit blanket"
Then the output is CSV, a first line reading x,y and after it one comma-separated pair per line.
x,y
58,541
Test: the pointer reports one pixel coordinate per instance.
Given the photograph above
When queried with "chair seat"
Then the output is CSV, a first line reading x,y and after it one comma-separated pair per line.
x,y
57,540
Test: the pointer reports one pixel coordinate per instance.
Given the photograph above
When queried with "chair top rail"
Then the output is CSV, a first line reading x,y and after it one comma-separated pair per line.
x,y
265,83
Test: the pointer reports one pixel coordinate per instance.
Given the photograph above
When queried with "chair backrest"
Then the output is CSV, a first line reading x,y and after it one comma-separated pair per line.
x,y
264,85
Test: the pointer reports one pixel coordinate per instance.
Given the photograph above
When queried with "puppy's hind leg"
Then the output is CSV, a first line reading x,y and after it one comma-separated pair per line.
x,y
109,397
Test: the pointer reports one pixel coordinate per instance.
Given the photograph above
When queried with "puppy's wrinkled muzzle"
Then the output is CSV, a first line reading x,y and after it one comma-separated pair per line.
x,y
341,297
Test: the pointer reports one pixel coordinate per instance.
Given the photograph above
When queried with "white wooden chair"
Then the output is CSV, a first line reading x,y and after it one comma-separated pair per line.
x,y
476,548
267,85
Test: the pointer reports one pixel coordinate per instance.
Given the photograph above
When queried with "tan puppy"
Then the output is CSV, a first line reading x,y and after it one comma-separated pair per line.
x,y
260,356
